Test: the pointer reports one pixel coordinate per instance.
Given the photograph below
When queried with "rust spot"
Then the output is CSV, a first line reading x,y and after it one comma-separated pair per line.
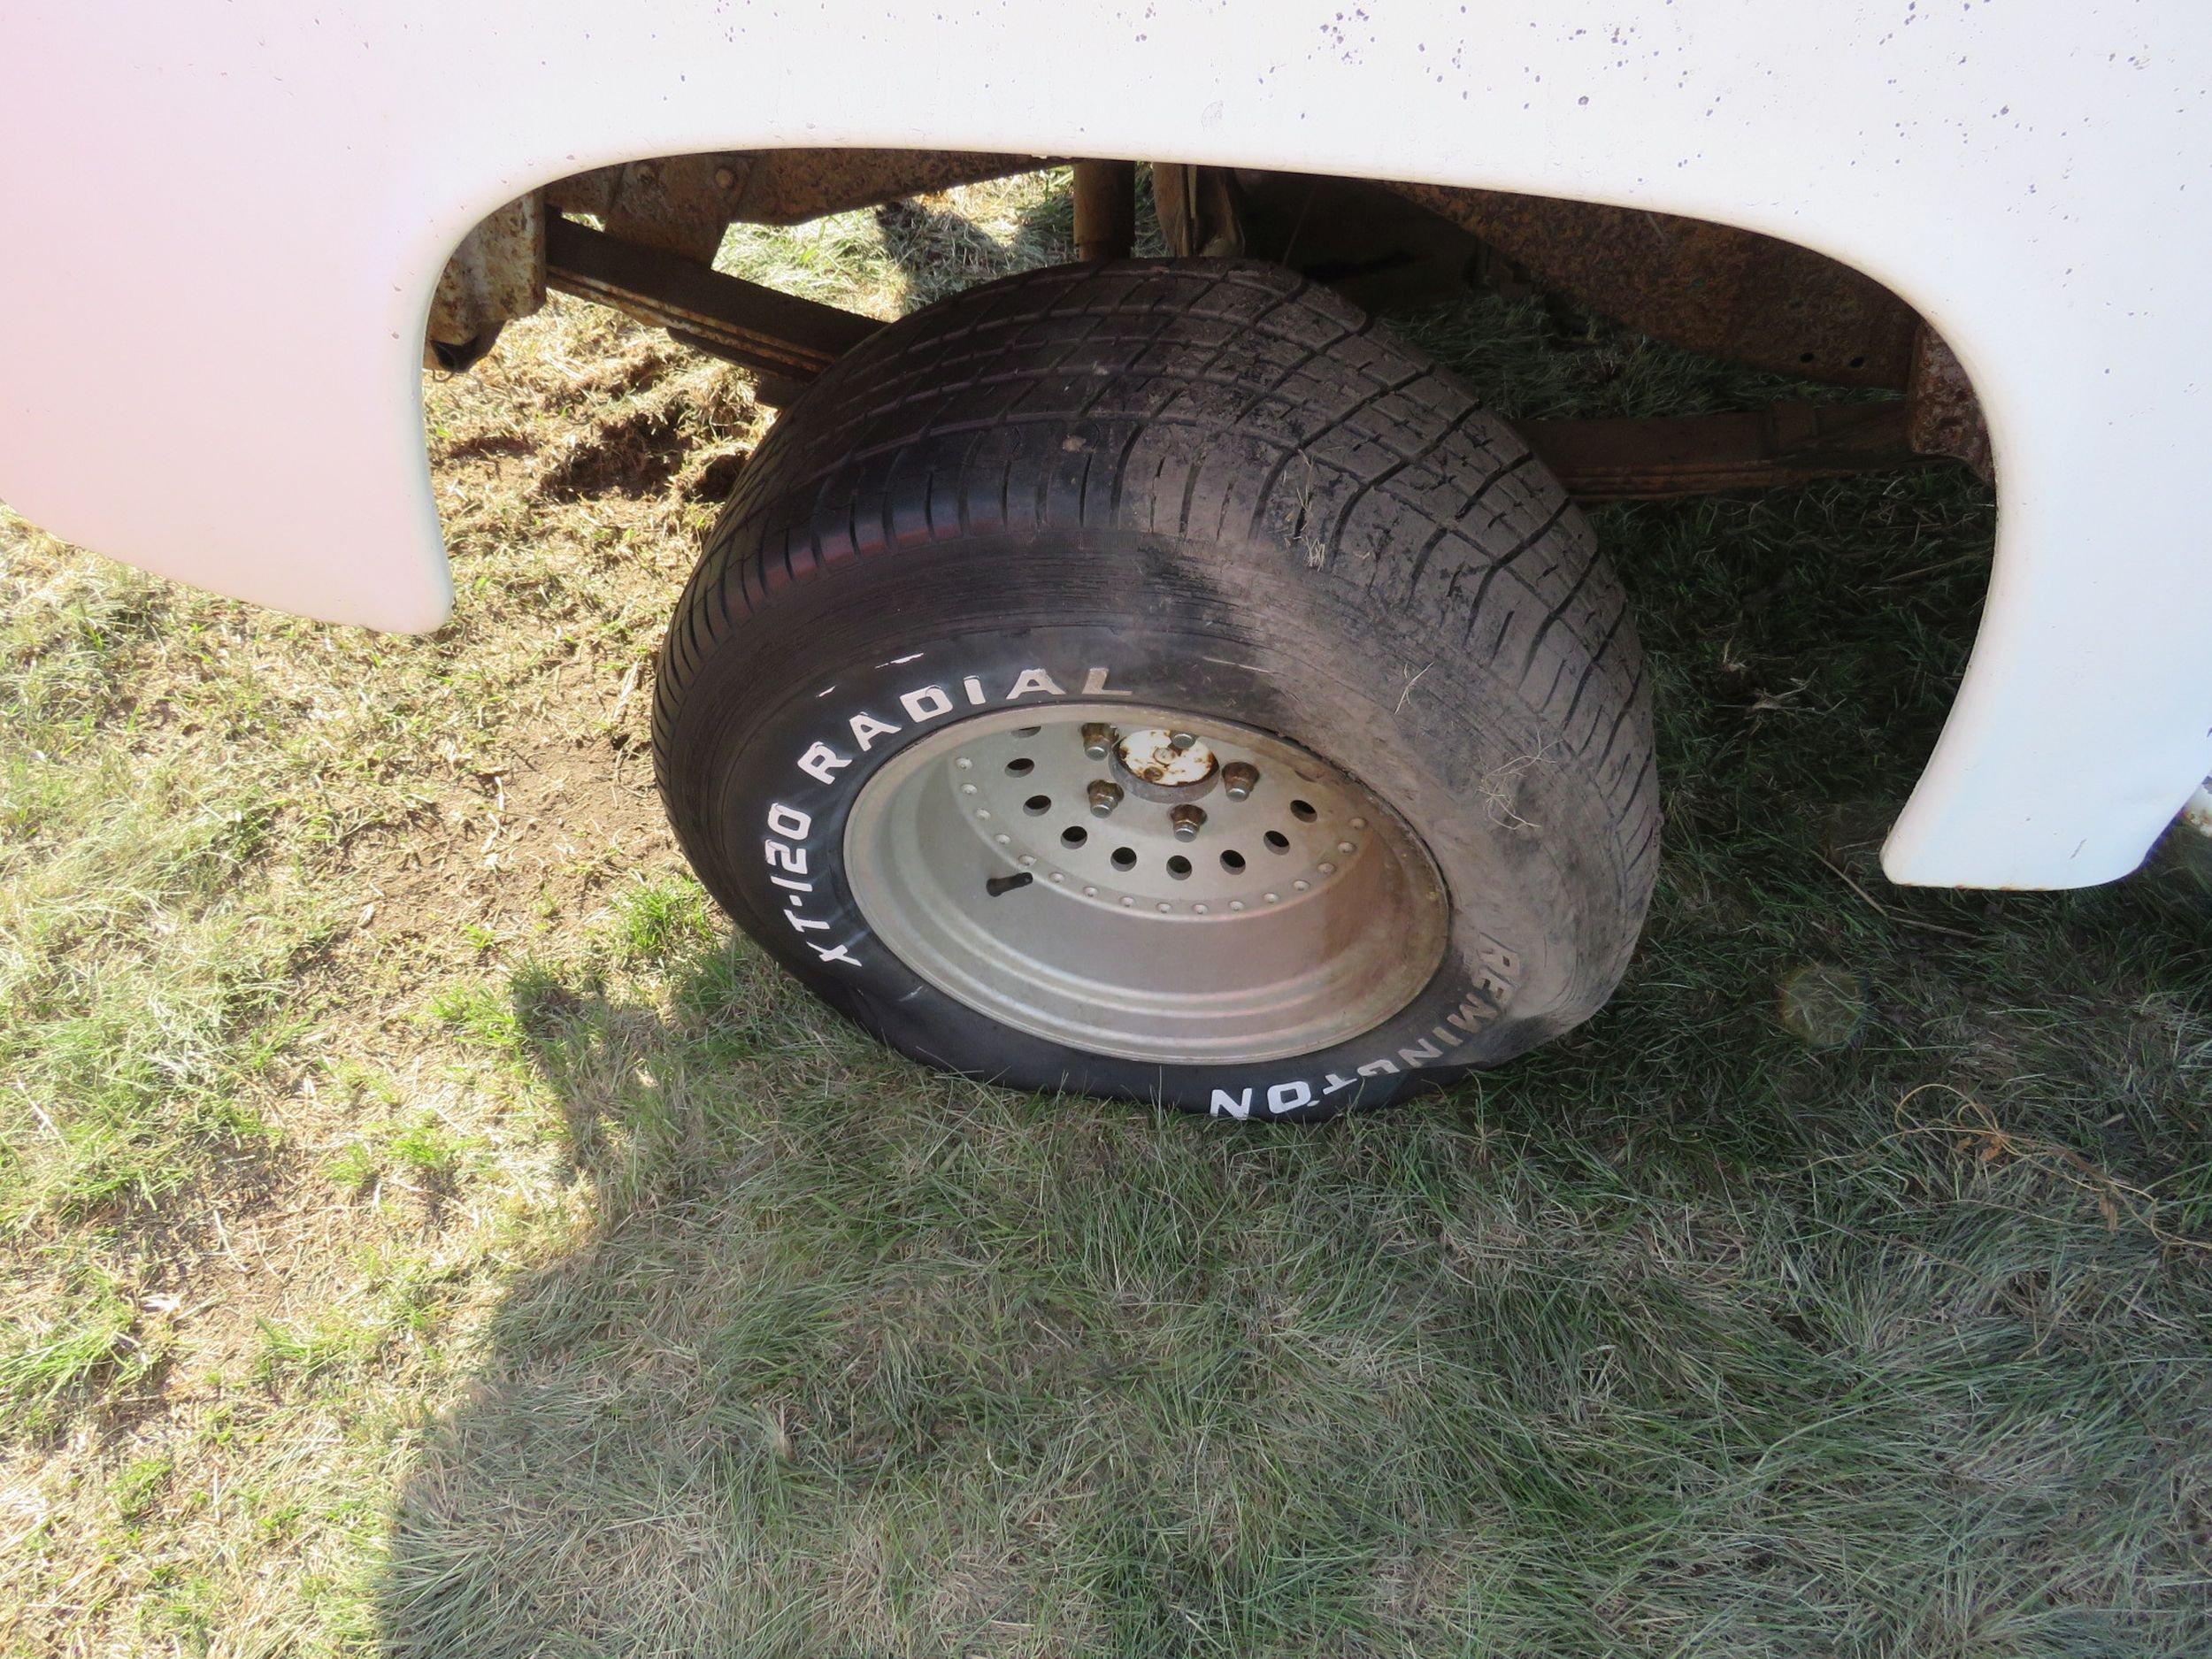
x,y
1944,417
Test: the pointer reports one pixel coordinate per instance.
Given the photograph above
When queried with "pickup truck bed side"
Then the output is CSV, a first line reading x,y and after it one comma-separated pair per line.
x,y
225,222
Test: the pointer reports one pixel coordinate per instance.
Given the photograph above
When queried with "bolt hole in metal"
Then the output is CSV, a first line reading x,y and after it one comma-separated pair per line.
x,y
1161,943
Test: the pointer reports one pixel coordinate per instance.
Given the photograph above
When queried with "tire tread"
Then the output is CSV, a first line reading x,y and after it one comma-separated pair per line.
x,y
1217,401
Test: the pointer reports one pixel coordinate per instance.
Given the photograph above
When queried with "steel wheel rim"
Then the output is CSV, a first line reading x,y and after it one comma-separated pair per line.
x,y
1288,916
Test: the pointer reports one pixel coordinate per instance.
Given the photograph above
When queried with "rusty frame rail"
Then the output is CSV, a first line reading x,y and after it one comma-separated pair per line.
x,y
776,334
1656,459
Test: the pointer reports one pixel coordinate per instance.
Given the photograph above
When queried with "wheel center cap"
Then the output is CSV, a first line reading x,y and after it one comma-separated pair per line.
x,y
1166,759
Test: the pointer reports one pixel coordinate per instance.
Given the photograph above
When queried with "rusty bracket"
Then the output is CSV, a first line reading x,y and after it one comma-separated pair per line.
x,y
779,334
1945,417
1105,209
496,276
678,204
1201,210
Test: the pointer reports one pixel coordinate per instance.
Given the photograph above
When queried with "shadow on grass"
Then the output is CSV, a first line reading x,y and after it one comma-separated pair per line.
x,y
1681,1336
941,251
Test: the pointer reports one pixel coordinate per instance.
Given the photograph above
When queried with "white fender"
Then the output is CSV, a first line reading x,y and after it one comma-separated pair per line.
x,y
223,223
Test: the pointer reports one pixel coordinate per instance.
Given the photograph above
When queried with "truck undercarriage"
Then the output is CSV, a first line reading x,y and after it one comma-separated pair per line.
x,y
1727,293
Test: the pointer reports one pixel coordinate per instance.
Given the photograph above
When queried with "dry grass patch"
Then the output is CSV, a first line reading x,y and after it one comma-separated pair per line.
x,y
426,1233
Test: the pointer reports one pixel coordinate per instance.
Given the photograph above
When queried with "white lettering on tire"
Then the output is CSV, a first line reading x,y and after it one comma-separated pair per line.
x,y
1227,1105
822,762
784,847
867,728
1034,679
926,703
785,850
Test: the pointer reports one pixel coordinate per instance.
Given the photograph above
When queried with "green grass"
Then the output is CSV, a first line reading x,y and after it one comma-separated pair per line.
x,y
137,1488
129,974
1678,1337
86,1335
427,1232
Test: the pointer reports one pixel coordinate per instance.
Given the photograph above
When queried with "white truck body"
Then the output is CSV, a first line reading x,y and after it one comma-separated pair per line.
x,y
223,223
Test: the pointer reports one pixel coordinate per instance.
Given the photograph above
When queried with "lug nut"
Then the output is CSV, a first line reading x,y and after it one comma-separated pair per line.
x,y
1238,779
1098,743
1180,740
1187,821
1105,796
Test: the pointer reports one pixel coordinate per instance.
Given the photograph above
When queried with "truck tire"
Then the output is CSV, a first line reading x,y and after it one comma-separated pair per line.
x,y
1154,680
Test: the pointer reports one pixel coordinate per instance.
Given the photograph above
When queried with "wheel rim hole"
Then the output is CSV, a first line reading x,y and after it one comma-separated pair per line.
x,y
1302,811
1125,858
1232,861
1027,731
1074,835
1021,765
1037,805
1178,866
1277,842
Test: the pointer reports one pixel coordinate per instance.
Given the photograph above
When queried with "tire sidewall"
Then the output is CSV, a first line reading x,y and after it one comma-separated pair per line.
x,y
773,744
